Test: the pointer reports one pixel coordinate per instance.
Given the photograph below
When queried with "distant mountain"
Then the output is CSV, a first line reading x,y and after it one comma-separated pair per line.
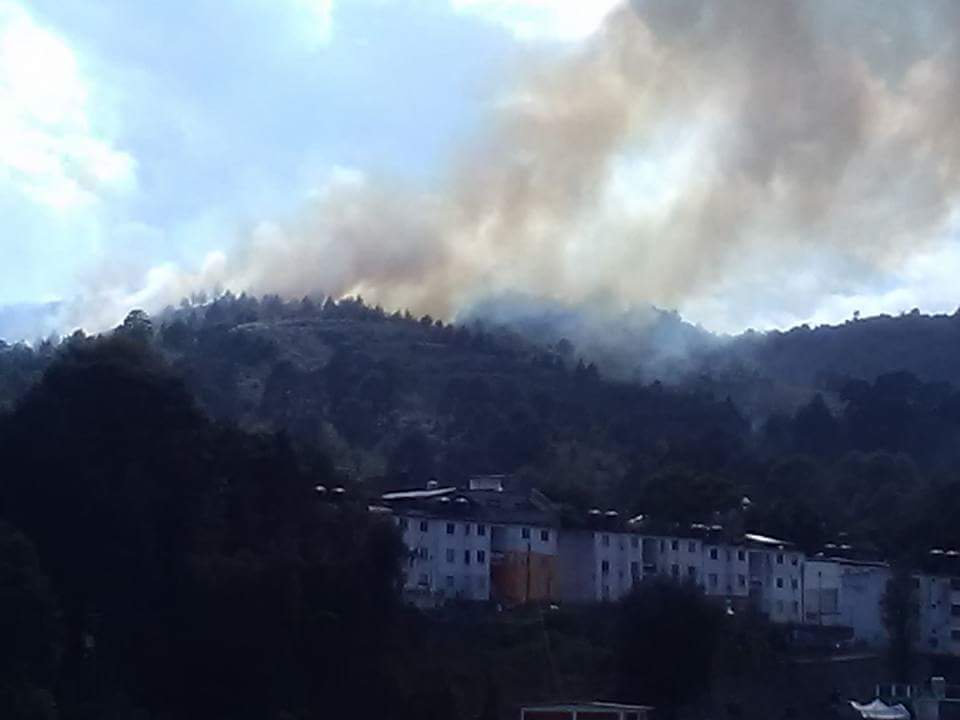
x,y
28,321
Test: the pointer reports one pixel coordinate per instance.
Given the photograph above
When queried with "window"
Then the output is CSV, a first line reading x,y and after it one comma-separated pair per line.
x,y
605,540
955,635
466,557
481,530
794,560
729,556
779,558
916,583
525,533
796,607
714,553
451,528
691,546
779,582
794,584
424,579
481,557
741,581
955,610
466,528
674,544
606,592
404,524
605,568
691,571
450,555
663,545
635,570
424,526
675,570
741,556
634,542
449,581
545,535
713,580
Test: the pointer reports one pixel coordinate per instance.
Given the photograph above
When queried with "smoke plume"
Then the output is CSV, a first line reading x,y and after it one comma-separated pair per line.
x,y
687,146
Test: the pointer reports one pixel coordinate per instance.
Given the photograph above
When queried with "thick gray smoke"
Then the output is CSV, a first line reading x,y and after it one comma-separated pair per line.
x,y
688,146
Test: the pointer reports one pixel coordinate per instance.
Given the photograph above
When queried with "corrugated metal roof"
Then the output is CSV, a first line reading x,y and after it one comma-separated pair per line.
x,y
418,494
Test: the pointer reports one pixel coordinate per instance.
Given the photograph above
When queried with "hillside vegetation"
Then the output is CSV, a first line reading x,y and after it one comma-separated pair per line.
x,y
394,400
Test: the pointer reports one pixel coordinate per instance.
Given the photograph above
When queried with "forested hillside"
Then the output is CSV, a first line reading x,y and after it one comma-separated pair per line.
x,y
166,554
393,399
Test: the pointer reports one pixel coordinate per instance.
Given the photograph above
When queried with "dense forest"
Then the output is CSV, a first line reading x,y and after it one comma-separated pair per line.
x,y
842,447
164,552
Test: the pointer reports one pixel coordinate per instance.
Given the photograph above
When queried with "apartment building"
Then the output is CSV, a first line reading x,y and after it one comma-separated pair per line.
x,y
845,593
598,564
934,602
448,552
498,541
704,558
775,571
480,543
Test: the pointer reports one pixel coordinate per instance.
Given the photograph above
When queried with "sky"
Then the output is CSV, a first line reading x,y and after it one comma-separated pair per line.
x,y
145,146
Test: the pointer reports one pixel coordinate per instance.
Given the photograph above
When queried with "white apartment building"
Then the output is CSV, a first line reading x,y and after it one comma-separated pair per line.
x,y
719,568
598,565
487,544
775,575
447,558
934,599
477,544
846,593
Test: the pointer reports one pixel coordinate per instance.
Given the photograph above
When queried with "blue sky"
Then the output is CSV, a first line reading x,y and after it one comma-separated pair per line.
x,y
147,132
140,141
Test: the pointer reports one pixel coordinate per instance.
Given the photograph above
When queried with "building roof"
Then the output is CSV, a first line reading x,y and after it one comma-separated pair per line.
x,y
591,705
418,494
492,506
765,540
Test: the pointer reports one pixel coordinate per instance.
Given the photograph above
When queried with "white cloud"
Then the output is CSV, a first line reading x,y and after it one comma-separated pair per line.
x,y
567,20
319,14
50,152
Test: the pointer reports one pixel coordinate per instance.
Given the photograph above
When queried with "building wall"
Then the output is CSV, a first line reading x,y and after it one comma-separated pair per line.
x,y
725,570
617,564
847,594
861,595
776,577
576,565
524,564
514,563
447,559
934,600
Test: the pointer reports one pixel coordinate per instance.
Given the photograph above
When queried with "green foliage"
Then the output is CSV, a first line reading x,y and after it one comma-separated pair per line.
x,y
668,636
29,632
196,570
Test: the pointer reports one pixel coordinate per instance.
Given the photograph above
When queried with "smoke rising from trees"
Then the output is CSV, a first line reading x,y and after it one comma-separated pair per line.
x,y
688,147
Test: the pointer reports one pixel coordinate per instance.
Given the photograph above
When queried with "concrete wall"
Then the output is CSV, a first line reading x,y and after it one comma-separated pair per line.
x,y
447,559
577,579
524,564
617,563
